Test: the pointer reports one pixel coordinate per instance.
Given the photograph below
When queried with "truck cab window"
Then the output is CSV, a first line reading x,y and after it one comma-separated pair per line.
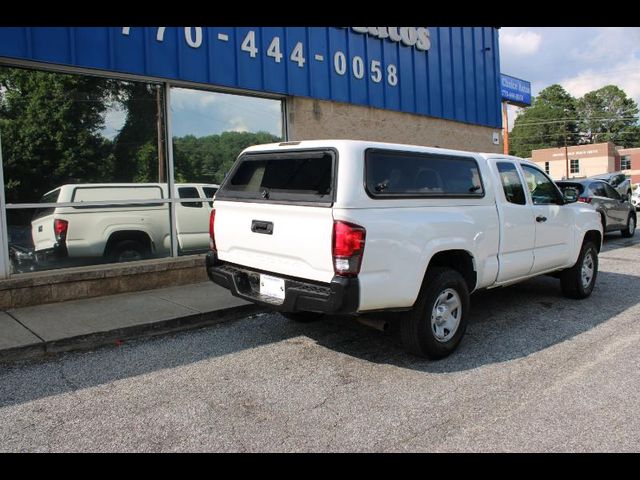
x,y
511,184
189,192
543,190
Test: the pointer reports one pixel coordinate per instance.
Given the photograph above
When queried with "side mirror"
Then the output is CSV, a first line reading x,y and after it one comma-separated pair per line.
x,y
570,194
625,197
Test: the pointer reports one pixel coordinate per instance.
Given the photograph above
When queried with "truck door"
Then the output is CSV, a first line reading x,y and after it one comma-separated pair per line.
x,y
553,220
192,220
517,224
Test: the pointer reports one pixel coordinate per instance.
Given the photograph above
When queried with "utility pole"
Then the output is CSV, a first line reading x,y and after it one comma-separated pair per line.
x,y
161,162
566,151
505,128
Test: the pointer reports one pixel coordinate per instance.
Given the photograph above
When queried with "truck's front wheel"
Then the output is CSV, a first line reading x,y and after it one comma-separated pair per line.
x,y
579,280
436,324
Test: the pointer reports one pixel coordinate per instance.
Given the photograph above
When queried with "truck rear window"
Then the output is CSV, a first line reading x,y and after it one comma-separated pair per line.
x,y
286,177
412,174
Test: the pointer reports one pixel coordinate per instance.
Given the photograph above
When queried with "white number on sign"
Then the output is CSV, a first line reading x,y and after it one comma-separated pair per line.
x,y
340,63
160,34
392,75
274,49
376,73
358,67
297,55
249,44
190,41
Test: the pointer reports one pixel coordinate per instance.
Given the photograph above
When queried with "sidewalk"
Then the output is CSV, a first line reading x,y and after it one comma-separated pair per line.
x,y
36,331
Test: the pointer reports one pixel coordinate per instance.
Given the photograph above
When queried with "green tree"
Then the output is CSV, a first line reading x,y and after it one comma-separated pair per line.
x,y
547,123
609,115
50,125
136,145
208,159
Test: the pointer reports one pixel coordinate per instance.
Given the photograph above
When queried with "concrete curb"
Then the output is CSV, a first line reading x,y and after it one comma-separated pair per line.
x,y
48,349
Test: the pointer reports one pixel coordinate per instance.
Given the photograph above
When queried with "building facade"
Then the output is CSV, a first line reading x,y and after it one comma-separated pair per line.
x,y
581,161
174,106
628,161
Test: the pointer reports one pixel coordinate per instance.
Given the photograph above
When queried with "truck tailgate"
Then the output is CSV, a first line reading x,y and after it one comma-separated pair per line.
x,y
299,244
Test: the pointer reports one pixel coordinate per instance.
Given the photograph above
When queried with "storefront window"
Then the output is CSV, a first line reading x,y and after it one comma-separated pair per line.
x,y
92,152
210,129
87,141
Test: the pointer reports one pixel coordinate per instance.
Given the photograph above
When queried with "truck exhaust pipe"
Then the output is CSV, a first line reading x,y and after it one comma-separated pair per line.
x,y
377,323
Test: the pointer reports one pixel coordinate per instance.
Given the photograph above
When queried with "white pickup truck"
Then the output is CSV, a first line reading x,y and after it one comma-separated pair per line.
x,y
119,233
354,227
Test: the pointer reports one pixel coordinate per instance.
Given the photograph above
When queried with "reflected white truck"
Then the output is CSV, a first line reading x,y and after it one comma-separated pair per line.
x,y
353,227
120,233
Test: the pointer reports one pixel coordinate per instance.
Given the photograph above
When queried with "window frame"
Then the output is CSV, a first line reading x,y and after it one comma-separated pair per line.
x,y
396,196
571,165
520,179
559,195
625,158
275,154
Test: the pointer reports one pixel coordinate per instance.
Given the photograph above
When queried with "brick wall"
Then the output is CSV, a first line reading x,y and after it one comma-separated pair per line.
x,y
316,119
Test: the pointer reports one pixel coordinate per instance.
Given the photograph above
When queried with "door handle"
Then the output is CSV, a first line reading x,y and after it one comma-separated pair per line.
x,y
258,226
541,219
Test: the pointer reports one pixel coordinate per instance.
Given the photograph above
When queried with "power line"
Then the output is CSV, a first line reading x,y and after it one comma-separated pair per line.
x,y
546,122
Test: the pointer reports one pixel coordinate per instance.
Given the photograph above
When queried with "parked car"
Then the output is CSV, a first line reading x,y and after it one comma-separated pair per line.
x,y
635,197
619,181
119,233
616,212
355,227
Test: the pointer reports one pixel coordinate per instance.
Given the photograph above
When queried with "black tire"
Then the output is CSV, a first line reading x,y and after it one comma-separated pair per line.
x,y
127,251
571,279
630,230
417,328
303,317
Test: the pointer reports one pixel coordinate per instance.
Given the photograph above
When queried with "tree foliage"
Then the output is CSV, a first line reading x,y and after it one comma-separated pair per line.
x,y
52,128
603,115
543,124
608,115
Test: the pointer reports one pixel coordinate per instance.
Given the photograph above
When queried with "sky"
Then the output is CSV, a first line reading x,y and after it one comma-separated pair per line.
x,y
201,113
581,59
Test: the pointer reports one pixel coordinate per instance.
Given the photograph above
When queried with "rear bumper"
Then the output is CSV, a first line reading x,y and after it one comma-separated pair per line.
x,y
340,296
57,252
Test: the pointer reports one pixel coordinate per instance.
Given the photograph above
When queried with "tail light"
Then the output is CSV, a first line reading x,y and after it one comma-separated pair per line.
x,y
347,248
60,228
585,199
212,237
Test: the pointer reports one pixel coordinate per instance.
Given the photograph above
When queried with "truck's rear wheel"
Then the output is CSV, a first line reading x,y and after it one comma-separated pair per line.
x,y
128,251
436,324
579,280
303,317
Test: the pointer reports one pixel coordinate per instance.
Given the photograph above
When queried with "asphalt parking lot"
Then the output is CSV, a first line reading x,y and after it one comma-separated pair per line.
x,y
535,372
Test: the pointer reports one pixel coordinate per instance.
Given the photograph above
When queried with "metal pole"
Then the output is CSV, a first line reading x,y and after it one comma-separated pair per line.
x,y
4,238
505,127
566,152
161,163
170,173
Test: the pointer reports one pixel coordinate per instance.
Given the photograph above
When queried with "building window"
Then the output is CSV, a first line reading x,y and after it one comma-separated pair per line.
x,y
575,166
625,162
546,168
86,165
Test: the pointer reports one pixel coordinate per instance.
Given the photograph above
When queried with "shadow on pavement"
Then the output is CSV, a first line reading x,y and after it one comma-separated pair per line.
x,y
505,324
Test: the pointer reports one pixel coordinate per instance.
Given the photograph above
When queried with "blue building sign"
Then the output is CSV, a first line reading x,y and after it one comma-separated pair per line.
x,y
515,91
444,72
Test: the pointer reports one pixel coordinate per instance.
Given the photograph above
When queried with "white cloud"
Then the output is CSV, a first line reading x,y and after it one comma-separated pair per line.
x,y
520,42
624,75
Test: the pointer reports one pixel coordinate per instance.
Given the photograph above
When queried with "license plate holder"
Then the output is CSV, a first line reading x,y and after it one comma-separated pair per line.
x,y
272,286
